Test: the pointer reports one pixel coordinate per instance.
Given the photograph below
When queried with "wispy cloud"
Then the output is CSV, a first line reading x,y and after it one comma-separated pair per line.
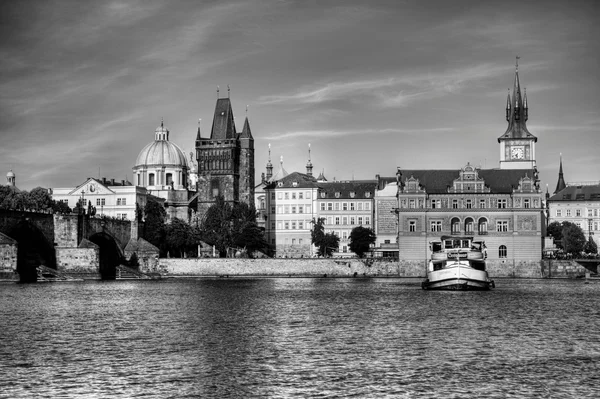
x,y
337,133
392,91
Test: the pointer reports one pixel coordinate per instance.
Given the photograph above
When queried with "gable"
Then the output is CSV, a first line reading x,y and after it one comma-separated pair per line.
x,y
91,187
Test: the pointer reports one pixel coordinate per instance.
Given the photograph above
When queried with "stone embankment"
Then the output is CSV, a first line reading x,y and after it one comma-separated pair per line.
x,y
354,267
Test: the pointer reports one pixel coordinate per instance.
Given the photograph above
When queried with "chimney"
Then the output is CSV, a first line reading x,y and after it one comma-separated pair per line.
x,y
123,182
112,182
104,180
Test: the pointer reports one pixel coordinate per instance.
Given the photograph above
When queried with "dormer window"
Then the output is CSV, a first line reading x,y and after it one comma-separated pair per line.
x,y
352,194
322,195
279,184
337,195
367,194
295,184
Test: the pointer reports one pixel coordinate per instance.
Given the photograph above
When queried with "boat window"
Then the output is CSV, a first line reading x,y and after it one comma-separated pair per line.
x,y
448,244
436,246
465,244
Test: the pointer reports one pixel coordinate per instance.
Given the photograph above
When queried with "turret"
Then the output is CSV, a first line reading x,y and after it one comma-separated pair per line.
x,y
269,166
309,165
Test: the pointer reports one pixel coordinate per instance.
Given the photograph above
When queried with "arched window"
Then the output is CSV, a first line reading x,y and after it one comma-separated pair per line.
x,y
151,179
455,226
482,226
469,225
502,251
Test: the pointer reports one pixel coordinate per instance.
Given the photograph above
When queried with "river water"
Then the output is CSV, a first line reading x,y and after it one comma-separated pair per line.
x,y
306,338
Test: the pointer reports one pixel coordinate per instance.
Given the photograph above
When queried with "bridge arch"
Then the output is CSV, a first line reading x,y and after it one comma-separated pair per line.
x,y
110,254
33,250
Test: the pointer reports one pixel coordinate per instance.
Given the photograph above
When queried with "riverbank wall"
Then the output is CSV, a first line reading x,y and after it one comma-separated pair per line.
x,y
356,267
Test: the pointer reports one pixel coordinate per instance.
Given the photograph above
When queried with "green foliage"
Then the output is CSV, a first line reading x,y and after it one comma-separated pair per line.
x,y
154,224
573,239
361,239
590,246
554,229
38,199
181,238
326,243
226,226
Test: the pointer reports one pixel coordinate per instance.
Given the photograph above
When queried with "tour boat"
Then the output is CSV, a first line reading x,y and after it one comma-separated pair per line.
x,y
457,263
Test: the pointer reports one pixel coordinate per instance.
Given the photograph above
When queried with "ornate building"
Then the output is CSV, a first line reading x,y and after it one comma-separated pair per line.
x,y
162,168
501,206
225,160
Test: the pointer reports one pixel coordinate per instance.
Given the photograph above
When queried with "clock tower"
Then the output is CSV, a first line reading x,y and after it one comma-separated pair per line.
x,y
517,145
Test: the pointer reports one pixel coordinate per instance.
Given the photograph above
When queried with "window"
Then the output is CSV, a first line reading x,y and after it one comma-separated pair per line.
x,y
286,209
568,213
272,208
280,209
337,206
595,212
279,195
502,251
367,220
293,195
280,225
559,212
386,241
436,204
367,206
482,226
100,201
577,212
527,203
307,208
272,196
501,203
345,220
482,203
121,201
352,206
293,225
352,220
300,225
300,209
293,241
322,206
151,179
412,226
455,225
454,204
502,226
469,204
286,195
344,206
359,206
272,225
169,179
337,220
469,226
287,225
436,225
300,195
344,248
330,206
345,234
308,195
589,213
299,241
293,209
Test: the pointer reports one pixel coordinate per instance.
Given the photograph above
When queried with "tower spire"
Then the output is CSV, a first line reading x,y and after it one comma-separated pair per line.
x,y
508,106
269,165
309,165
560,184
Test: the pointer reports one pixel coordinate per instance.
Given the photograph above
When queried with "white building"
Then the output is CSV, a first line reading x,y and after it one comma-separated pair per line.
x,y
110,198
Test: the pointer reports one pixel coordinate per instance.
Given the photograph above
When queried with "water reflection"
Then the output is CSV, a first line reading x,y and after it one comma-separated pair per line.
x,y
298,337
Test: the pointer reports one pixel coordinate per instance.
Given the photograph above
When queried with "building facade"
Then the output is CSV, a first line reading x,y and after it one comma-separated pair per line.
x,y
225,161
109,197
344,205
502,207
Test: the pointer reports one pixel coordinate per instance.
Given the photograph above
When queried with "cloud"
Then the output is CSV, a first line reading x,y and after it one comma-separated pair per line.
x,y
392,91
337,133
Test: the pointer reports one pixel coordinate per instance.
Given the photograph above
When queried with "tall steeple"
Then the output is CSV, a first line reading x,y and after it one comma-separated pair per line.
x,y
517,144
560,184
309,165
269,165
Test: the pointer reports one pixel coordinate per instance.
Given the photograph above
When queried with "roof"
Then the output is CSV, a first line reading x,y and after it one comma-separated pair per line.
x,y
294,180
348,189
246,133
578,193
437,181
223,124
161,152
517,112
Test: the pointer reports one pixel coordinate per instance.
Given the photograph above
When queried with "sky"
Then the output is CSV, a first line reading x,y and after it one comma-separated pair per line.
x,y
370,85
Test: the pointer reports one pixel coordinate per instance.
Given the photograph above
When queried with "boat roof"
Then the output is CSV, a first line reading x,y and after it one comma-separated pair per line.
x,y
456,238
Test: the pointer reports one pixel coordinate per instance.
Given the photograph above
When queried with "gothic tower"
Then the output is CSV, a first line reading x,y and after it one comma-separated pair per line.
x,y
560,184
225,160
517,145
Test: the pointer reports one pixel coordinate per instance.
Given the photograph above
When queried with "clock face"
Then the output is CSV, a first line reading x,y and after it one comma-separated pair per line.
x,y
517,153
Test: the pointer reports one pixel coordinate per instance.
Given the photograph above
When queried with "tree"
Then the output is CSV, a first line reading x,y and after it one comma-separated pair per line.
x,y
361,239
554,229
154,224
180,238
590,246
40,199
573,239
226,226
326,243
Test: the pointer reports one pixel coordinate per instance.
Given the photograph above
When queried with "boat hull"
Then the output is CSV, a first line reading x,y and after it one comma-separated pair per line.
x,y
458,277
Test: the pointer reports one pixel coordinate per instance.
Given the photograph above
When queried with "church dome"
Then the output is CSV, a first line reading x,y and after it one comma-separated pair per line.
x,y
10,174
161,152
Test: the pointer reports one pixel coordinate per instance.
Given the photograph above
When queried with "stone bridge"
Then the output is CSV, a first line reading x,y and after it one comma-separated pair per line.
x,y
78,245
